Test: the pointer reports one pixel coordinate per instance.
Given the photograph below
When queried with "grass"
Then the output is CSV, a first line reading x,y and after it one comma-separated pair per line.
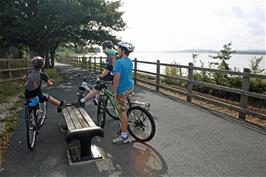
x,y
54,74
8,89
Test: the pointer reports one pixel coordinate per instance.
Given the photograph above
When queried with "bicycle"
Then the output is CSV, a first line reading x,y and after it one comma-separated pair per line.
x,y
35,115
85,88
137,123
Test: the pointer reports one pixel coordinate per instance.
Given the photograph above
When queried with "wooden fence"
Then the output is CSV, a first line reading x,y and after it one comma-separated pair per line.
x,y
95,64
13,69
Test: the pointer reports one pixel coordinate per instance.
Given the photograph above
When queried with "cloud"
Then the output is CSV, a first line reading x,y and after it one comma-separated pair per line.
x,y
237,11
255,19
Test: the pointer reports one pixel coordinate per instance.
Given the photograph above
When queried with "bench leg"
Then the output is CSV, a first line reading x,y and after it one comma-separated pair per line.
x,y
85,149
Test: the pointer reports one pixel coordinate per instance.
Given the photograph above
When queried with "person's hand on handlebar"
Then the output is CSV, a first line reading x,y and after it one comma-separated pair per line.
x,y
50,82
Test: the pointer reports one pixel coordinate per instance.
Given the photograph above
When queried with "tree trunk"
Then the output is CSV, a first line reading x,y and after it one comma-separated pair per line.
x,y
52,54
47,62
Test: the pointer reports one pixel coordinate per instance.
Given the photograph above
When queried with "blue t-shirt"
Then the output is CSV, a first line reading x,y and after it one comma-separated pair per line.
x,y
124,66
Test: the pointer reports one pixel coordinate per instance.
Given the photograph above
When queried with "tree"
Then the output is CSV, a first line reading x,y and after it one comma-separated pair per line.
x,y
255,65
224,55
43,25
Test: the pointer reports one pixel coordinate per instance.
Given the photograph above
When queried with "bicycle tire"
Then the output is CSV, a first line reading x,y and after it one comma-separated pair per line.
x,y
30,128
135,126
101,112
110,110
42,117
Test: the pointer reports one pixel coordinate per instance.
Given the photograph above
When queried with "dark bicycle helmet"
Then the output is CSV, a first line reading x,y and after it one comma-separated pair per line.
x,y
37,62
126,46
108,44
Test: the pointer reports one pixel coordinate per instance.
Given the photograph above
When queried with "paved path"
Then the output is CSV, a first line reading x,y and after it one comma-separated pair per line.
x,y
188,142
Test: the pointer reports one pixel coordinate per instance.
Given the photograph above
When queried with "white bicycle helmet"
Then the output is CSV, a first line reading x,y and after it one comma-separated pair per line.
x,y
37,61
127,46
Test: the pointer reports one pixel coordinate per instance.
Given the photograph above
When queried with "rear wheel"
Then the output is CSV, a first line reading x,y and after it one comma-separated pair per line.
x,y
101,111
141,125
31,127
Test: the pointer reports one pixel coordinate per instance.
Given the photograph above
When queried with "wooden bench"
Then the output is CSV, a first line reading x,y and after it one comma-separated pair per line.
x,y
80,126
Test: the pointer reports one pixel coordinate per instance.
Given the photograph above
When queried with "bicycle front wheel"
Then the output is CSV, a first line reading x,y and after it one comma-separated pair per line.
x,y
141,125
42,114
101,112
110,110
31,128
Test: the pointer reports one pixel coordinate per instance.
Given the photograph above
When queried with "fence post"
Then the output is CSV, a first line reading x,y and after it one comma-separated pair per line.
x,y
26,66
94,64
244,98
135,71
101,64
90,64
8,67
158,76
82,62
189,82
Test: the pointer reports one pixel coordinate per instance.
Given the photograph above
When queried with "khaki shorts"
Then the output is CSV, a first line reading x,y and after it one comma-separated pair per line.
x,y
122,100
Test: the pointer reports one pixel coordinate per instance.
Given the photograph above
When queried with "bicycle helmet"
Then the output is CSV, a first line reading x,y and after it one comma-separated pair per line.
x,y
37,62
126,46
108,44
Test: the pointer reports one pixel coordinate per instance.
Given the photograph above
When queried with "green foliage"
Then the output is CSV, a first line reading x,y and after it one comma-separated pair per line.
x,y
173,71
10,89
224,55
44,25
54,74
255,65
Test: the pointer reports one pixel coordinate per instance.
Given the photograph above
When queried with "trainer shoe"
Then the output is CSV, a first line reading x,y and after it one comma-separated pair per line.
x,y
61,106
120,140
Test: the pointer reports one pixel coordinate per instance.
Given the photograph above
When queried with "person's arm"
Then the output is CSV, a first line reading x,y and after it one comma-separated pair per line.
x,y
117,71
24,77
46,79
116,82
109,67
104,73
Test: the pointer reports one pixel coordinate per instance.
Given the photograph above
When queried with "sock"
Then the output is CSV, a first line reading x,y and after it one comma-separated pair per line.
x,y
124,135
82,100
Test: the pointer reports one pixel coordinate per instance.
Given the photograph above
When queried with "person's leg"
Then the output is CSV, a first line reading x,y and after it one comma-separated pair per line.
x,y
91,95
123,138
54,101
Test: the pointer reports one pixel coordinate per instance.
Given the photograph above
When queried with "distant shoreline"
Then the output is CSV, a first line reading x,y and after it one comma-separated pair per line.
x,y
255,52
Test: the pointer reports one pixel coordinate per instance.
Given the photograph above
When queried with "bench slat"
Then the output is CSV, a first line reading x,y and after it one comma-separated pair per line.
x,y
87,117
74,118
68,119
83,122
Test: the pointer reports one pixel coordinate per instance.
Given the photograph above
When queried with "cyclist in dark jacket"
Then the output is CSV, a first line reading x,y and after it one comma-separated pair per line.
x,y
33,83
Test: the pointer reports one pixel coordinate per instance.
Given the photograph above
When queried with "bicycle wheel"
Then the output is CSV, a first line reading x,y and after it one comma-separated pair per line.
x,y
42,114
110,110
141,125
101,112
31,128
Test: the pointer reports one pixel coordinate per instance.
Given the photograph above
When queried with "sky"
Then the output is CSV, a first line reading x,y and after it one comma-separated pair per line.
x,y
165,25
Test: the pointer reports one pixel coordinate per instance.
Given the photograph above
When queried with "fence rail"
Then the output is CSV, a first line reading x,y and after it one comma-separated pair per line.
x,y
13,69
244,92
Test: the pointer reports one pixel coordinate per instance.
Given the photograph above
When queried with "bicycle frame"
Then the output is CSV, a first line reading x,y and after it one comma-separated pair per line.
x,y
110,97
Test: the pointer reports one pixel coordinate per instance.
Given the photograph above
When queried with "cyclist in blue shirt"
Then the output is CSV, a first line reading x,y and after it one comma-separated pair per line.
x,y
123,86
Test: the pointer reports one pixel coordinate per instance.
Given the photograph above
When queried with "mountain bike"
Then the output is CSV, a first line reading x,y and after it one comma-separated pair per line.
x,y
141,125
86,87
35,115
